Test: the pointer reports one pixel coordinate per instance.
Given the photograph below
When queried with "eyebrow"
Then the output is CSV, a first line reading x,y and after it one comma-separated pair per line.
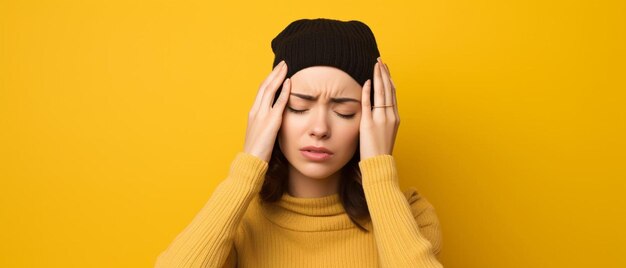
x,y
335,100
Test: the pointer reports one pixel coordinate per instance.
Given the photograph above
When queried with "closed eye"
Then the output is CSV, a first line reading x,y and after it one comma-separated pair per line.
x,y
347,116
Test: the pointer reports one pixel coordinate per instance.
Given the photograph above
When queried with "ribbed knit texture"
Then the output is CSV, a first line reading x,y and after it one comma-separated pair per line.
x,y
234,229
347,45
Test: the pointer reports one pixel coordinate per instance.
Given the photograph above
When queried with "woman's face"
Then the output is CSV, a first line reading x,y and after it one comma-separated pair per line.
x,y
322,122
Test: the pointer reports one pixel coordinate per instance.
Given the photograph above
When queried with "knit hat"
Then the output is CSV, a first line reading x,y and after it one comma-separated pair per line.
x,y
347,45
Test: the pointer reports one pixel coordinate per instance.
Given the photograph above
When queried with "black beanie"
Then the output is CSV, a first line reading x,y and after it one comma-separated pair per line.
x,y
347,45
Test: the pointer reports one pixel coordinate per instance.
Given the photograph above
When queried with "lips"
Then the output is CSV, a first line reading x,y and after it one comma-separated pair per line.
x,y
317,154
315,149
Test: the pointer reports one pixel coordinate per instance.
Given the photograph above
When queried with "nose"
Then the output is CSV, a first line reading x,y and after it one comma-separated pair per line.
x,y
319,125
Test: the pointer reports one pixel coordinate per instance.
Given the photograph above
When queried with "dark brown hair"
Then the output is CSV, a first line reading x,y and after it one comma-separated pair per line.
x,y
350,187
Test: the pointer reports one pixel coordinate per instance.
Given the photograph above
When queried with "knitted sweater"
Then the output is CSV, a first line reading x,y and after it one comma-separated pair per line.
x,y
234,229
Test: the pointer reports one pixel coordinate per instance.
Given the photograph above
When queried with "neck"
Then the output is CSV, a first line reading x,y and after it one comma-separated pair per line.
x,y
306,187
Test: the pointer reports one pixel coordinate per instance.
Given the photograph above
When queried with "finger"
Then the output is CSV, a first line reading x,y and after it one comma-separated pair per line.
x,y
393,85
389,75
379,94
265,83
394,98
263,86
386,83
387,89
281,102
366,105
273,74
270,90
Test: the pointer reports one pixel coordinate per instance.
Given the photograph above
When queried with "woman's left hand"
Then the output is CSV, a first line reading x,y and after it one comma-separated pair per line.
x,y
379,126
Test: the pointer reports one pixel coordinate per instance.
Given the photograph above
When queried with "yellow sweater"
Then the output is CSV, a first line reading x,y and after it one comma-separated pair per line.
x,y
234,230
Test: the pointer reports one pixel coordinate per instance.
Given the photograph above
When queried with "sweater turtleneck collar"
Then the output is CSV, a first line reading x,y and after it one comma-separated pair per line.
x,y
308,213
329,205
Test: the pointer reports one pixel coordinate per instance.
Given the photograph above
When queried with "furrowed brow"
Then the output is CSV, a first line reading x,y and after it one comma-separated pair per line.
x,y
335,100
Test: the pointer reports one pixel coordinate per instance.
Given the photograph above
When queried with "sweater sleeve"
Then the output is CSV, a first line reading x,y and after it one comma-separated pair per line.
x,y
208,241
426,218
399,241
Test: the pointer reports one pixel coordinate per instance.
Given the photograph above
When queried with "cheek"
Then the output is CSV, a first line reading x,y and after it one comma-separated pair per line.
x,y
347,135
352,127
354,136
289,129
294,123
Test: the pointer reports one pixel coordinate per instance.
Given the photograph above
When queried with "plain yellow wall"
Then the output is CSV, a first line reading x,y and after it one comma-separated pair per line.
x,y
119,118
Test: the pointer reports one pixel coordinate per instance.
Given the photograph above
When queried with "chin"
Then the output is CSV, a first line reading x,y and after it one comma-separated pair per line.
x,y
315,170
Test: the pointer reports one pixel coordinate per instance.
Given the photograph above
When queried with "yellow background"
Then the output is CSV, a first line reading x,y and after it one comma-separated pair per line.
x,y
119,118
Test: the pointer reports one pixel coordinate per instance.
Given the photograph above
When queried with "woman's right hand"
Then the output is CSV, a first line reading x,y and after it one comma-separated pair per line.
x,y
264,121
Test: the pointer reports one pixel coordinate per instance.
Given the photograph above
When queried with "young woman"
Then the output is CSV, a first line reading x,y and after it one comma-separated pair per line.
x,y
316,184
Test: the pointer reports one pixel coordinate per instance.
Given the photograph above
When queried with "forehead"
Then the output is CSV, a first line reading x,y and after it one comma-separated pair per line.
x,y
325,81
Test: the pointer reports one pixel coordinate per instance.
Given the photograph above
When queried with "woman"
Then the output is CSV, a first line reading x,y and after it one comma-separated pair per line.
x,y
316,185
